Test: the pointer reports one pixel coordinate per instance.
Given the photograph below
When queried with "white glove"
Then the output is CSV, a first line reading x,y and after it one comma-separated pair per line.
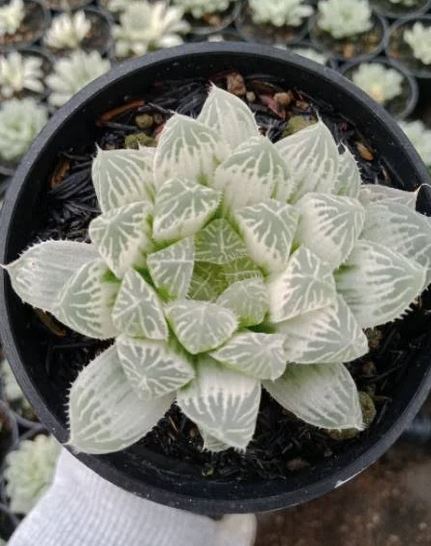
x,y
82,509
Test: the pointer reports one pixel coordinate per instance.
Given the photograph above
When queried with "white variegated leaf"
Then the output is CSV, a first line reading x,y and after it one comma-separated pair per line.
x,y
211,443
256,354
40,273
349,176
208,282
329,226
323,396
241,269
247,299
331,334
200,325
268,230
122,177
402,229
105,415
218,243
188,149
153,368
379,284
86,301
372,193
312,156
229,116
305,285
223,402
171,268
138,311
122,236
182,208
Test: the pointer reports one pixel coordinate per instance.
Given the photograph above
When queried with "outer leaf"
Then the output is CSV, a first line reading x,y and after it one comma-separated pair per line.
x,y
171,268
182,208
122,177
349,176
229,116
208,282
372,193
259,355
188,149
323,396
122,236
329,226
379,284
86,301
211,443
223,402
104,412
241,269
247,299
306,285
402,229
268,230
138,311
219,243
153,368
252,174
40,273
312,156
199,325
331,334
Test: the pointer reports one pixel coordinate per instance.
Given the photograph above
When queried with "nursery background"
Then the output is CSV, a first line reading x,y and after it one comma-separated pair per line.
x,y
50,49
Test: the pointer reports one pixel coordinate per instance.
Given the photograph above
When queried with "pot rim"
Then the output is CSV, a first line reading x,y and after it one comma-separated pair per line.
x,y
251,499
392,15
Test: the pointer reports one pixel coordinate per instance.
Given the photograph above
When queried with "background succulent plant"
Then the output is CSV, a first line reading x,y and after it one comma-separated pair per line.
x,y
420,136
11,16
12,390
19,73
280,12
418,37
222,263
68,30
344,18
380,82
311,54
199,8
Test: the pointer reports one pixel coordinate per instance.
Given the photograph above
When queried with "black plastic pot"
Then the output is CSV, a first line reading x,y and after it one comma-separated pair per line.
x,y
144,472
398,11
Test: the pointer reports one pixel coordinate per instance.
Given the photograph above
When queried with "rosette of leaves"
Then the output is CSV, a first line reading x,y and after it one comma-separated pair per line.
x,y
222,263
68,30
19,73
344,18
418,37
199,8
380,82
280,12
12,14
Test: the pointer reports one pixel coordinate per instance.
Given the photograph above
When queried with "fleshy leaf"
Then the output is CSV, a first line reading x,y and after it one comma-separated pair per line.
x,y
331,334
138,311
171,268
86,301
182,208
122,177
329,226
223,402
229,116
259,355
188,149
379,284
252,174
122,236
218,243
208,282
199,325
247,299
40,273
372,193
349,179
324,396
211,443
268,230
241,269
105,414
305,285
402,229
153,368
312,156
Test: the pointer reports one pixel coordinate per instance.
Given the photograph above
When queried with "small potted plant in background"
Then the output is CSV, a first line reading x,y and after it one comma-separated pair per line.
x,y
280,22
420,136
348,29
390,86
22,22
67,5
396,9
208,17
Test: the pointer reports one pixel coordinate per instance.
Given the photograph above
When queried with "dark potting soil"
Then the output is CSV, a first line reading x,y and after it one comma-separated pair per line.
x,y
282,444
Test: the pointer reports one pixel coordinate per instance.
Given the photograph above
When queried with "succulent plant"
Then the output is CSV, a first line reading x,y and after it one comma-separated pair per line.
x,y
145,27
379,81
29,472
20,122
11,389
19,73
280,12
418,37
73,72
199,8
420,137
311,54
344,18
68,30
115,6
12,14
222,263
